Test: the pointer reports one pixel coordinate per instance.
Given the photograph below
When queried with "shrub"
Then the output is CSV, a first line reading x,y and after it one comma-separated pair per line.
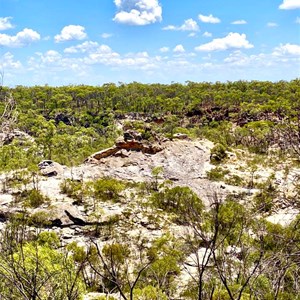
x,y
177,200
234,180
108,189
72,188
39,219
218,154
36,199
32,198
263,201
217,174
149,293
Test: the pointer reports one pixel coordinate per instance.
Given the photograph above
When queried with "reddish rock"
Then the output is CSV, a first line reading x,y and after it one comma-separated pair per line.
x,y
138,146
105,153
129,145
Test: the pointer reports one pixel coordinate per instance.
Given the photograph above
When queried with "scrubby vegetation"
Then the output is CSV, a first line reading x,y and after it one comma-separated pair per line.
x,y
68,123
221,248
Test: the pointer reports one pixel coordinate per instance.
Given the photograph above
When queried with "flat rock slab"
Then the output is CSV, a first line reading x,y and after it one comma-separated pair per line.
x,y
184,162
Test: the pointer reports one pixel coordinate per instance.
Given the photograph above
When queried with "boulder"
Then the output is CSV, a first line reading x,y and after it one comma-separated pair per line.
x,y
122,153
130,135
50,168
61,215
7,138
104,153
180,136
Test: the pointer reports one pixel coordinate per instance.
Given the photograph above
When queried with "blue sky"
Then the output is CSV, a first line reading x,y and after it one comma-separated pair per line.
x,y
61,42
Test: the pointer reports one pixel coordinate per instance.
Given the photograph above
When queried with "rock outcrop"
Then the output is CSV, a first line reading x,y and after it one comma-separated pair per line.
x,y
104,153
50,168
131,141
7,138
133,145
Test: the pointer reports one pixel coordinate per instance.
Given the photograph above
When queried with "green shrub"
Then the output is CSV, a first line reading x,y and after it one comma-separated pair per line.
x,y
218,154
217,174
108,189
177,200
263,201
149,293
39,219
32,198
234,180
102,298
72,188
35,199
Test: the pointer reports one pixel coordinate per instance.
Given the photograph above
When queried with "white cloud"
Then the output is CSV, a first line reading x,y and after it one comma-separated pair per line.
x,y
239,59
192,34
297,20
84,47
282,56
209,19
102,55
290,4
71,32
140,60
207,34
188,25
179,49
232,40
164,49
272,24
287,49
51,63
101,64
106,35
22,38
239,22
138,12
5,23
7,62
50,57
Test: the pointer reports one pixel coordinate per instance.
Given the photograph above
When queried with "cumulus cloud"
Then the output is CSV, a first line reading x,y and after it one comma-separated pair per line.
x,y
106,35
7,62
95,53
188,25
164,49
287,49
290,4
237,58
71,32
140,60
239,22
50,57
239,61
297,20
98,53
5,23
53,62
207,34
138,12
272,24
82,48
22,38
209,19
232,40
178,49
192,34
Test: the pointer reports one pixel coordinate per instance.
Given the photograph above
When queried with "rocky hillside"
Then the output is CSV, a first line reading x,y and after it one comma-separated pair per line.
x,y
181,191
118,195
